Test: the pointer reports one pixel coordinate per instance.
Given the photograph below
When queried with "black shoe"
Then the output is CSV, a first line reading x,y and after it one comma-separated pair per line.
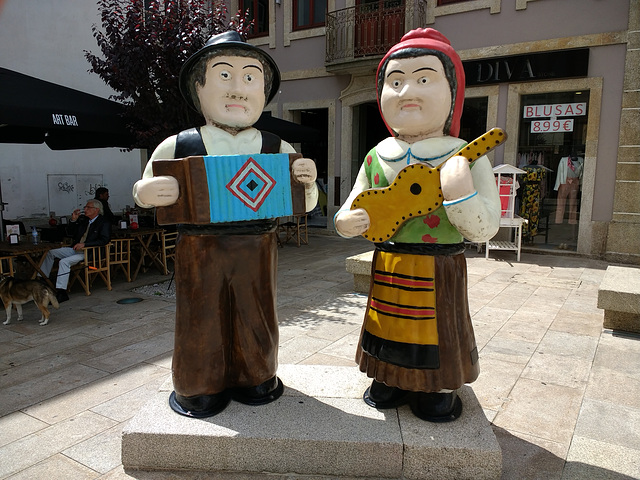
x,y
381,396
437,407
262,394
61,295
199,406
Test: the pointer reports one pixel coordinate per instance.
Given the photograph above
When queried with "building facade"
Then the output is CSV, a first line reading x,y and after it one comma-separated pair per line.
x,y
561,77
45,40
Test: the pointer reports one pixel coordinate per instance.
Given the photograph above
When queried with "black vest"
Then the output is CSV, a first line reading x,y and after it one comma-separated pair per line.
x,y
189,143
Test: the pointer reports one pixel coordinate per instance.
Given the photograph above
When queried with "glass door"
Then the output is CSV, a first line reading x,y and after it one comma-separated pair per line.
x,y
551,146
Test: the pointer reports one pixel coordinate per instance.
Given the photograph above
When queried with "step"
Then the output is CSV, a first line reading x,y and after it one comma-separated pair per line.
x,y
320,427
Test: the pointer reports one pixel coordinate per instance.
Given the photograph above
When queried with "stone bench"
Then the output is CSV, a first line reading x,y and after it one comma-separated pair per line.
x,y
360,267
619,297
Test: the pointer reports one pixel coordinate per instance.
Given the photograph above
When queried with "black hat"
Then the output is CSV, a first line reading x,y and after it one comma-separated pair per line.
x,y
230,39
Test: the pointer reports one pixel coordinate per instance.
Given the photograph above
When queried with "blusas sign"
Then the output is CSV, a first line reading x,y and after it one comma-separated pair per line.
x,y
553,111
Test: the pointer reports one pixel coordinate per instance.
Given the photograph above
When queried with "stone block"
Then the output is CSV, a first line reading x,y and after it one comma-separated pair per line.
x,y
623,321
360,267
619,297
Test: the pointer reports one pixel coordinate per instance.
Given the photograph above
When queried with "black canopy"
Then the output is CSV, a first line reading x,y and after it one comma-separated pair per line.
x,y
37,111
289,131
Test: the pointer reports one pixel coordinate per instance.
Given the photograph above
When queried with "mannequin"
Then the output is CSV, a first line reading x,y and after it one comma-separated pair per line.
x,y
567,185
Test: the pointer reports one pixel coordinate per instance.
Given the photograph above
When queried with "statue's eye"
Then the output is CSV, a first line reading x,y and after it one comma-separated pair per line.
x,y
225,75
423,80
248,77
396,83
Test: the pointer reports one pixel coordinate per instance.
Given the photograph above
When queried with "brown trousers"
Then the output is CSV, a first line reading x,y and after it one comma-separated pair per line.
x,y
226,322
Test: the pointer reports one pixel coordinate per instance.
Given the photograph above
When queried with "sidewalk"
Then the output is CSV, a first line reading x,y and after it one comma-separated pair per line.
x,y
562,393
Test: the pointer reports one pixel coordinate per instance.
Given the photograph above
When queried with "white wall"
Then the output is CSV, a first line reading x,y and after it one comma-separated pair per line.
x,y
46,39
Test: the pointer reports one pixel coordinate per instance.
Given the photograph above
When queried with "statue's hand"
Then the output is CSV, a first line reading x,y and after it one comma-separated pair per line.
x,y
158,191
456,179
352,223
304,170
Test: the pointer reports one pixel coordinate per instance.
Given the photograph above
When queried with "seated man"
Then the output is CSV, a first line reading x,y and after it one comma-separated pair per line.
x,y
88,230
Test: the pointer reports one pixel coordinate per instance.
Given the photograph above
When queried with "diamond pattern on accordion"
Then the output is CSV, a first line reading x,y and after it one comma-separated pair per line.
x,y
251,185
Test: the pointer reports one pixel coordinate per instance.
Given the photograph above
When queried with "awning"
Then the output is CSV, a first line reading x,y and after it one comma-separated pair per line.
x,y
36,111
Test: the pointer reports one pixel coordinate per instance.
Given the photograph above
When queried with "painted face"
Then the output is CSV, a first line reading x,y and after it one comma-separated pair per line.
x,y
416,97
233,94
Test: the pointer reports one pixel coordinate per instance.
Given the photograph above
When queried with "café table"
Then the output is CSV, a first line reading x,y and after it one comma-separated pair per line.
x,y
142,238
33,254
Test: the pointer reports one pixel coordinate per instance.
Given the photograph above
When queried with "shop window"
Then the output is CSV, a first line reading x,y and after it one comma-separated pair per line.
x,y
309,13
551,145
258,11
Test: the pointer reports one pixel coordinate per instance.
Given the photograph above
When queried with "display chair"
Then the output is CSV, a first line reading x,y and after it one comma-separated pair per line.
x,y
120,257
168,249
95,264
507,185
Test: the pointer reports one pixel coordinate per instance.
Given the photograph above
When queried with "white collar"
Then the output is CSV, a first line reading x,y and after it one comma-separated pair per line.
x,y
222,142
433,150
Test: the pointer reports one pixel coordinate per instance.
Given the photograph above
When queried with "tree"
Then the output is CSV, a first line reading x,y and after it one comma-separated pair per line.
x,y
144,44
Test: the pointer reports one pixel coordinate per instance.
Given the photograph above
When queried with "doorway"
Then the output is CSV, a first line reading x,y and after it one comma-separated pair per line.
x,y
551,149
317,150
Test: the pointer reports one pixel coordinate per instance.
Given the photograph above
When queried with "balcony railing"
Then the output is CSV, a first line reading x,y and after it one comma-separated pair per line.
x,y
369,29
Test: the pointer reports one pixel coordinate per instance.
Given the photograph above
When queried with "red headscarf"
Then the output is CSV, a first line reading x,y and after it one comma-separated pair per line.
x,y
428,38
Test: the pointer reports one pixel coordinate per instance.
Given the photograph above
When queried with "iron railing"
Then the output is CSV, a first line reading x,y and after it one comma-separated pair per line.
x,y
370,29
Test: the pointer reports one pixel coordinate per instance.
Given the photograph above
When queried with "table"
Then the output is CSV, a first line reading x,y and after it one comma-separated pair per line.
x,y
33,254
142,238
52,233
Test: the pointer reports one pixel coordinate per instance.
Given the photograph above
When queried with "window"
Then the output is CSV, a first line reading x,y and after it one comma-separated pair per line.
x,y
474,118
309,13
258,11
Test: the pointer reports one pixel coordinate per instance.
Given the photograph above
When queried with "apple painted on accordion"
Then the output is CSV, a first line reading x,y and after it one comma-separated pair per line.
x,y
231,188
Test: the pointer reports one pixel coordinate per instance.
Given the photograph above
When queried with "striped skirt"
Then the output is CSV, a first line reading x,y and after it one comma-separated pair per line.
x,y
417,333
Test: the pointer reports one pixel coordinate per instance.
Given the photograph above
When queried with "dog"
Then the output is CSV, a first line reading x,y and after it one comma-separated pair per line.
x,y
18,292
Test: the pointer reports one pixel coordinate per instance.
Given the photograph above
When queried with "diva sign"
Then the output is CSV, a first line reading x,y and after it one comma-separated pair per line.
x,y
551,114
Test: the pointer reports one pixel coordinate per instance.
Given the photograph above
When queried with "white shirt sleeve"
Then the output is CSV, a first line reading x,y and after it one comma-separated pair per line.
x,y
477,217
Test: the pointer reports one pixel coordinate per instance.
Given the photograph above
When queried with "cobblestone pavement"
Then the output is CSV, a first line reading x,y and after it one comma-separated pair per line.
x,y
563,395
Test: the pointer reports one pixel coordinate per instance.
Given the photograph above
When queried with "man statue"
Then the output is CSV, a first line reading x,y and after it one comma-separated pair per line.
x,y
226,338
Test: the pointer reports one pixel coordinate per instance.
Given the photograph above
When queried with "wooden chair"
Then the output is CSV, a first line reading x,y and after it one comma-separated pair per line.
x,y
95,264
168,248
6,265
120,257
295,229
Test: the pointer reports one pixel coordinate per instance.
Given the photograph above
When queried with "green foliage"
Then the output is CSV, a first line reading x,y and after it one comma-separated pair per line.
x,y
143,49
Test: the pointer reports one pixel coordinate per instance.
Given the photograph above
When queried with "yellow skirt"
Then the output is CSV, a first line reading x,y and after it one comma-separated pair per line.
x,y
417,333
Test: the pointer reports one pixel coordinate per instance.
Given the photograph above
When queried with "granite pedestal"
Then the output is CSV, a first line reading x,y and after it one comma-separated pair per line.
x,y
320,427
